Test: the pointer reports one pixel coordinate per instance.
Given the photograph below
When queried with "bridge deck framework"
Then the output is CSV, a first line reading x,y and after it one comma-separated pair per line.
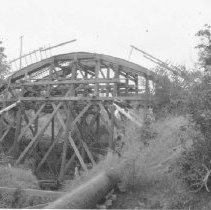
x,y
69,89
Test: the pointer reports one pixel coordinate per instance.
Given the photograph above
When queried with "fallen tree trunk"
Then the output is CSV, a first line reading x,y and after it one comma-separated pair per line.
x,y
22,198
88,194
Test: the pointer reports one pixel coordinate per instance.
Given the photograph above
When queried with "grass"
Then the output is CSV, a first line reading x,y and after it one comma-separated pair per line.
x,y
149,173
145,169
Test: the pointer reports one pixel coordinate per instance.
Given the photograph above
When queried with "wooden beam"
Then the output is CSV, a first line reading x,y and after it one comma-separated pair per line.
x,y
64,149
97,71
80,98
147,93
1,125
27,120
116,76
63,82
81,138
9,107
14,149
136,84
31,122
69,136
77,152
50,149
52,129
111,130
38,135
126,114
69,162
6,132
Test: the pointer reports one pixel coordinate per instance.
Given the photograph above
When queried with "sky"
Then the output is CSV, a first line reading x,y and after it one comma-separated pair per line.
x,y
164,28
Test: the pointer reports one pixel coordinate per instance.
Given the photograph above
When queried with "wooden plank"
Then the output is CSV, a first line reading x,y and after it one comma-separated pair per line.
x,y
38,135
31,122
80,98
9,107
64,82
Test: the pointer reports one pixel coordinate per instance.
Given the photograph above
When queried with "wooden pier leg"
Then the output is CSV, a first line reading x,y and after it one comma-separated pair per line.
x,y
2,135
14,149
36,122
64,150
97,134
52,130
111,130
1,125
147,94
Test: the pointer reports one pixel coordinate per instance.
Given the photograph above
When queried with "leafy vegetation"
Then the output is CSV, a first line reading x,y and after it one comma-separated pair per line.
x,y
4,67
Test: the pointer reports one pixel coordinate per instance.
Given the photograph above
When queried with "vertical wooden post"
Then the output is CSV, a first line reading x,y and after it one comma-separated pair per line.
x,y
116,76
97,134
64,150
111,130
85,76
36,121
107,85
136,84
13,150
68,122
52,129
97,70
1,132
1,125
147,94
126,83
52,69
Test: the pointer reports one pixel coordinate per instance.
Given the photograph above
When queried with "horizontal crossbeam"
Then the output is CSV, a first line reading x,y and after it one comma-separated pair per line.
x,y
64,82
78,98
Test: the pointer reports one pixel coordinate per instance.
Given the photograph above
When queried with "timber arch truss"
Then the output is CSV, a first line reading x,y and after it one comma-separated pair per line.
x,y
67,89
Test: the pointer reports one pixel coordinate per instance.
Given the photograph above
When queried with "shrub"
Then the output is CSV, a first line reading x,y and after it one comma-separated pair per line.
x,y
15,178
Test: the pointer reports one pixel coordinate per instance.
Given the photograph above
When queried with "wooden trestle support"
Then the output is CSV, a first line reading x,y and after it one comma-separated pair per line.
x,y
68,89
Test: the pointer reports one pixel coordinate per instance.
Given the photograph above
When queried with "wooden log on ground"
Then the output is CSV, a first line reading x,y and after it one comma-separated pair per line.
x,y
88,194
32,192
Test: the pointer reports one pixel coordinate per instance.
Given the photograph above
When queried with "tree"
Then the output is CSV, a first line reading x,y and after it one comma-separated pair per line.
x,y
205,47
195,163
4,67
201,103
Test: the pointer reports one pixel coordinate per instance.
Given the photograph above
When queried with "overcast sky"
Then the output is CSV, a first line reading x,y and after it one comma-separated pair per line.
x,y
164,28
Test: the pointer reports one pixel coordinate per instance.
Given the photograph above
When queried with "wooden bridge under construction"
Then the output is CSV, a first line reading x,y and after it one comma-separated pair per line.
x,y
68,89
